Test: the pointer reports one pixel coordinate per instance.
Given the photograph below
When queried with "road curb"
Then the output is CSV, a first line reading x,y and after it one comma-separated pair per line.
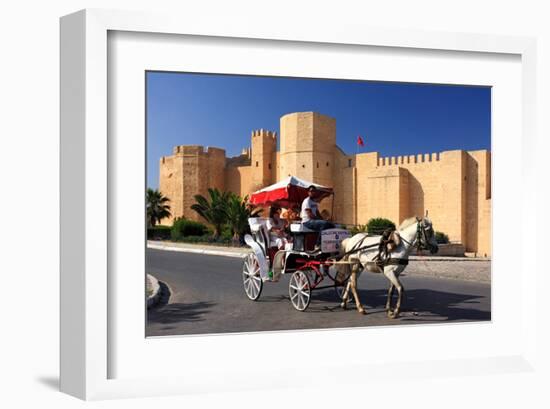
x,y
154,298
167,247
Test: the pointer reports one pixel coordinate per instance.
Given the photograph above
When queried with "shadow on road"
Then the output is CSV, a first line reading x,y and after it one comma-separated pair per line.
x,y
166,313
179,312
445,306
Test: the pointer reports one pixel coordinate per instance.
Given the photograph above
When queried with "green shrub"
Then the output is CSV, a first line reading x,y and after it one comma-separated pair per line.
x,y
206,239
184,228
226,233
158,233
377,225
194,239
441,238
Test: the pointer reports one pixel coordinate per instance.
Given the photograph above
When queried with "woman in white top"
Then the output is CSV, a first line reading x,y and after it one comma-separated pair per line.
x,y
276,227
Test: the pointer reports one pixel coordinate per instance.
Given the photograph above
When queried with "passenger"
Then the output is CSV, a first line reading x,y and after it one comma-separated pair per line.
x,y
276,226
291,215
311,217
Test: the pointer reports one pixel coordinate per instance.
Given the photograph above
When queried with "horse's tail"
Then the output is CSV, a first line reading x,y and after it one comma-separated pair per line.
x,y
343,270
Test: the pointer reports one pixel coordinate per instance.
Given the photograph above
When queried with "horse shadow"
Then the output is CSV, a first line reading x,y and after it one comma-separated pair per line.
x,y
425,305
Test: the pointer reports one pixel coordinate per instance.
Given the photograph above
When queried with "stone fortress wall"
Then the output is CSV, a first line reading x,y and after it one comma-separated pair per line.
x,y
453,186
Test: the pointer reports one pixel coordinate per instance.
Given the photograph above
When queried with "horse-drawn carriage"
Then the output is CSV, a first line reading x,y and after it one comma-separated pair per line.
x,y
300,257
339,259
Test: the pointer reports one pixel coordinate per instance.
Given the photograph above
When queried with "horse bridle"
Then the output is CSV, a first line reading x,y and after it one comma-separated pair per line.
x,y
420,240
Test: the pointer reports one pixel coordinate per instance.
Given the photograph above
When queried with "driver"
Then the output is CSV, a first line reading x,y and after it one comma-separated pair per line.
x,y
311,217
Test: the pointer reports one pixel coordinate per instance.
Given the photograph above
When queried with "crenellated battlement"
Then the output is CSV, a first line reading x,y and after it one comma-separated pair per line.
x,y
196,150
408,159
258,133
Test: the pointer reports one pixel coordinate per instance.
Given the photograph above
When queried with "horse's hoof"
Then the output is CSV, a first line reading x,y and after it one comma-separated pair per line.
x,y
393,315
363,312
343,306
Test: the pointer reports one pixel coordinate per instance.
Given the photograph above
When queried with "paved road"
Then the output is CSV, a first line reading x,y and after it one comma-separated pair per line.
x,y
206,296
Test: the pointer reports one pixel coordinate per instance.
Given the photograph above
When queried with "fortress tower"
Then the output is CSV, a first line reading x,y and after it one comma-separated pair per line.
x,y
308,142
191,170
455,186
263,149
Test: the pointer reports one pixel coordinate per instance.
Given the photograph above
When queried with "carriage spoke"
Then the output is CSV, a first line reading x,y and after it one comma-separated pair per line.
x,y
298,302
256,285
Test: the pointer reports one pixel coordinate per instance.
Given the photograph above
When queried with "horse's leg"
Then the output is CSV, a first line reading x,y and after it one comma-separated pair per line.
x,y
389,272
344,270
390,295
401,292
345,296
354,270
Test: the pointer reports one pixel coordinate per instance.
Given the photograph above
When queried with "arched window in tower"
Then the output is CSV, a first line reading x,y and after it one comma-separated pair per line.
x,y
327,164
269,166
303,166
349,163
256,163
317,165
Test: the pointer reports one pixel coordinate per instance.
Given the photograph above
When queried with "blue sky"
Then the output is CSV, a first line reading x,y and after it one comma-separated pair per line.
x,y
393,118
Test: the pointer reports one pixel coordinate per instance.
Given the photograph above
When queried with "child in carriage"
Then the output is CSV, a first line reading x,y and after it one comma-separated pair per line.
x,y
276,226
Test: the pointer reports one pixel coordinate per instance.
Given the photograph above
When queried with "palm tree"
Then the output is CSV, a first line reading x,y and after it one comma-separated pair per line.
x,y
157,207
214,211
238,213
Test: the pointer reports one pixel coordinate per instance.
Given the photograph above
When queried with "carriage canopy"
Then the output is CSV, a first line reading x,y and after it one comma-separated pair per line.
x,y
287,193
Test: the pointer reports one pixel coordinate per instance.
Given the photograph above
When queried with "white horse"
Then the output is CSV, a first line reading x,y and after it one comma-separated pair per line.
x,y
413,232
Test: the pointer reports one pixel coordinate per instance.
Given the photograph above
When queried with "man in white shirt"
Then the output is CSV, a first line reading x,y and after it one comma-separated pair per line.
x,y
311,217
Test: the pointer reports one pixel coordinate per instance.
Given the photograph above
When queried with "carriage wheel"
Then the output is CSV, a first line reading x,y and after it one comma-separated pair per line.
x,y
299,289
252,281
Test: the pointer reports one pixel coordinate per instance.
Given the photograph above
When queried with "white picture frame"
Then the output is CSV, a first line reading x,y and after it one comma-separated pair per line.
x,y
85,155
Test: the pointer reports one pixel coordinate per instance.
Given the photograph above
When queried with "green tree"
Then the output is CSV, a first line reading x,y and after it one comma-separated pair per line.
x,y
378,225
157,207
213,209
238,212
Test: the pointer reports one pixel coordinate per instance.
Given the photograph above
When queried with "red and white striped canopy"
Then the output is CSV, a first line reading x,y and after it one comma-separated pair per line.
x,y
287,193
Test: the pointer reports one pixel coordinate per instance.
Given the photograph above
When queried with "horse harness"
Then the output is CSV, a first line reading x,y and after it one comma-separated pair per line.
x,y
389,241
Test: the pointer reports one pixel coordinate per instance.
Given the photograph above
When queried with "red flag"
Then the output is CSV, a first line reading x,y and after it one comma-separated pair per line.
x,y
360,141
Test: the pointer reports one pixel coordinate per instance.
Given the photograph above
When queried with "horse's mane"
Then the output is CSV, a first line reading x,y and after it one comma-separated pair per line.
x,y
407,222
